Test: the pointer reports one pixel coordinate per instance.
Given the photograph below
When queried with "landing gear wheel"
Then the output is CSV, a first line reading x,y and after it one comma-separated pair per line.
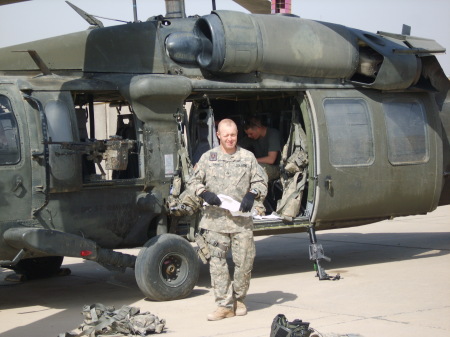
x,y
167,268
39,267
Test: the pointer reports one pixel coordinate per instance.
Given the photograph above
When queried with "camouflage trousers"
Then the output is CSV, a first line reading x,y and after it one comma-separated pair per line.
x,y
243,251
272,171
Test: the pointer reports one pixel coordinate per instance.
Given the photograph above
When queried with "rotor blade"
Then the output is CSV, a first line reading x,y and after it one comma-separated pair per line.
x,y
88,17
9,2
256,6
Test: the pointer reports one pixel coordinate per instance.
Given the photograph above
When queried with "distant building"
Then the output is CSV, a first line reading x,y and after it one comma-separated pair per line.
x,y
281,6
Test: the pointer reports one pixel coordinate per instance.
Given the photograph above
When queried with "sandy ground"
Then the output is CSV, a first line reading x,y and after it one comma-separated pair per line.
x,y
395,282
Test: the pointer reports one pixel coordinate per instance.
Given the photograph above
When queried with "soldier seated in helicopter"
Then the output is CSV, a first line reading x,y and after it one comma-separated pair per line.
x,y
265,143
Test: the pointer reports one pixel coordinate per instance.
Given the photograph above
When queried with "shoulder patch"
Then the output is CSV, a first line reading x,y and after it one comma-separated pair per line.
x,y
213,156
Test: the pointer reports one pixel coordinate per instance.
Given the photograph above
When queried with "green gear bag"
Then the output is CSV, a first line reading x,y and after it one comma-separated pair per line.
x,y
101,320
288,206
294,163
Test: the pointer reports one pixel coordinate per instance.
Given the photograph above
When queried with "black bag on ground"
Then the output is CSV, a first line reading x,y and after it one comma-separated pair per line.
x,y
281,327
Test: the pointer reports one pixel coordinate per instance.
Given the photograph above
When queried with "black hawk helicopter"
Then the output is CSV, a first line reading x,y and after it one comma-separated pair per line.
x,y
364,117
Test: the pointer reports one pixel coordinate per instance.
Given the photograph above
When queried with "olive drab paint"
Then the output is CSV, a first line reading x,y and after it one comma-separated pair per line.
x,y
364,119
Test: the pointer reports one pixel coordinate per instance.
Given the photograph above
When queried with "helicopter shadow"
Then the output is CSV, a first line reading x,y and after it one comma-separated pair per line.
x,y
79,288
289,253
60,299
276,255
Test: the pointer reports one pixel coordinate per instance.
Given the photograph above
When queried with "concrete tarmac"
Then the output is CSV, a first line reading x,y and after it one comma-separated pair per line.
x,y
395,282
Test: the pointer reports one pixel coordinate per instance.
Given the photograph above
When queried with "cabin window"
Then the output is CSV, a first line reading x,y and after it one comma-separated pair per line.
x,y
350,137
58,121
9,134
407,133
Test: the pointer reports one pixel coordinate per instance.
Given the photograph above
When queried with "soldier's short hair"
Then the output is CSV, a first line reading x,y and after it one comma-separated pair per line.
x,y
252,122
227,122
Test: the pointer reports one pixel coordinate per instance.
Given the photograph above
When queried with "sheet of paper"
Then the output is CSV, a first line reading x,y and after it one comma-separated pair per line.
x,y
272,216
232,205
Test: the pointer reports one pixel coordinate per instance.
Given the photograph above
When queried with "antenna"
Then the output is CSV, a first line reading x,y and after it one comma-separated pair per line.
x,y
37,60
135,11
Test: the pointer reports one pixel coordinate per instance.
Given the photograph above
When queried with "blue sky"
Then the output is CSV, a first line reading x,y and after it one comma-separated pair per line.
x,y
39,19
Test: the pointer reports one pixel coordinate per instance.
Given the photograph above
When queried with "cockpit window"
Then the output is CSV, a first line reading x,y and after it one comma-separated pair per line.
x,y
407,133
350,137
9,134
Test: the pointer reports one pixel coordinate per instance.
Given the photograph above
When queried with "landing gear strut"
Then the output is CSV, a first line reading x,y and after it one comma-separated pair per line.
x,y
316,254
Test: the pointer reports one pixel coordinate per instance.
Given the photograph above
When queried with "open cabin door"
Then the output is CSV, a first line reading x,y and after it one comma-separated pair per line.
x,y
376,155
15,159
64,160
202,132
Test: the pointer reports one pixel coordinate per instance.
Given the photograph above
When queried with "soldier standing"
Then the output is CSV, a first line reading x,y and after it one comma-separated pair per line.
x,y
232,171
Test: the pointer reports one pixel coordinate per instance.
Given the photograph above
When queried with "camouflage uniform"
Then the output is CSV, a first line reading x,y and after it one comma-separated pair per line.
x,y
233,175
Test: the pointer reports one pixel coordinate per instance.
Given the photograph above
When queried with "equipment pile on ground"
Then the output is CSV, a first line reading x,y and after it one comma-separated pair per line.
x,y
281,327
101,320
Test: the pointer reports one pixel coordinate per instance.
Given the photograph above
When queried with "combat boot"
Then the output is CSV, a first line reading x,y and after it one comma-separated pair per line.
x,y
220,313
241,309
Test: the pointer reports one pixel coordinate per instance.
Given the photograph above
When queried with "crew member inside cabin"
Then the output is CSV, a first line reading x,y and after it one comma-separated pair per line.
x,y
265,143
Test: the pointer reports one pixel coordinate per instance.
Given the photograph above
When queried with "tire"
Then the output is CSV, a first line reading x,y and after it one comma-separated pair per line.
x,y
39,267
167,268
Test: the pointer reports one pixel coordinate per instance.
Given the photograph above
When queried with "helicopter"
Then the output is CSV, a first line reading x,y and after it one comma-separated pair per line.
x,y
364,119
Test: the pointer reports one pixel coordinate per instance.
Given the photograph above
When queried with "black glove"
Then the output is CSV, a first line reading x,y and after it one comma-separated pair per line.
x,y
211,198
247,202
